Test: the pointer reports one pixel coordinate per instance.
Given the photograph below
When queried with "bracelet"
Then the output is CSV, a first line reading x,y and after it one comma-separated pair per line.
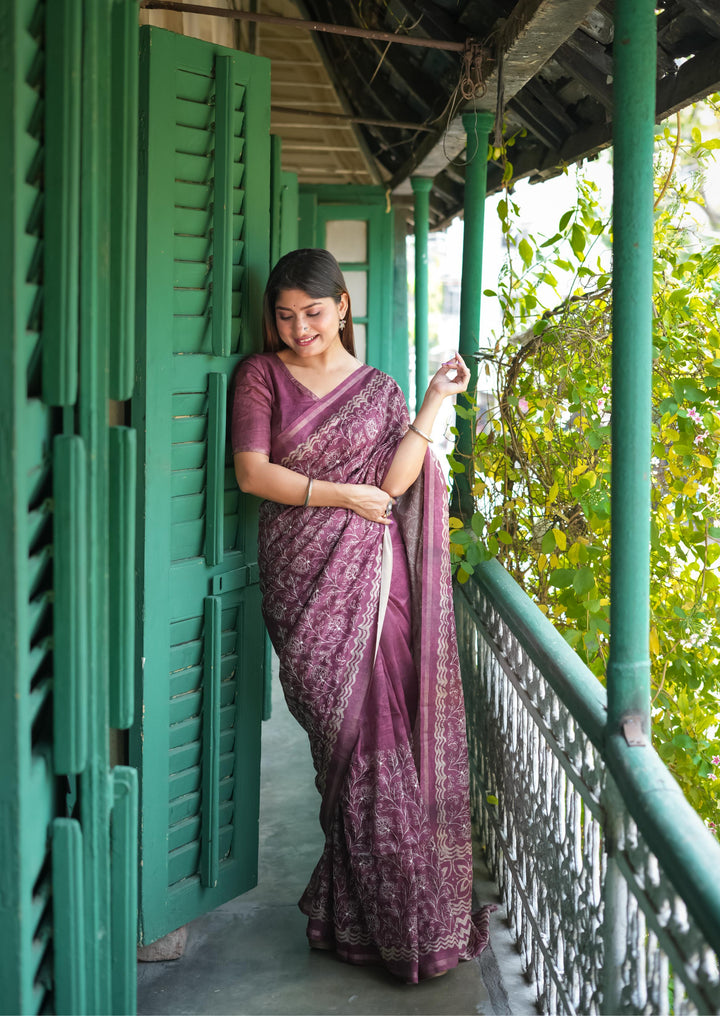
x,y
308,492
416,430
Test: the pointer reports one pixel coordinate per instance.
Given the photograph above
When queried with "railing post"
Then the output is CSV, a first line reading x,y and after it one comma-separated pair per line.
x,y
615,905
477,127
421,186
628,678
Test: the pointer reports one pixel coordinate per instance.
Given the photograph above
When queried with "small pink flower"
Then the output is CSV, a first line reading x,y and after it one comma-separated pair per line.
x,y
694,415
712,776
523,405
606,389
601,406
711,827
715,760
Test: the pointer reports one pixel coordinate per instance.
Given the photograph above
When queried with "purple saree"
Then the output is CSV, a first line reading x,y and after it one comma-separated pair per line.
x,y
361,618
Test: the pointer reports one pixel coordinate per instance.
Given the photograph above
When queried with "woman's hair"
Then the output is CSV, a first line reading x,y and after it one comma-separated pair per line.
x,y
315,272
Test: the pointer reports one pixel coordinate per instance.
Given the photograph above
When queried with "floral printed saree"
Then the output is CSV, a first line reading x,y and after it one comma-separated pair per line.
x,y
361,618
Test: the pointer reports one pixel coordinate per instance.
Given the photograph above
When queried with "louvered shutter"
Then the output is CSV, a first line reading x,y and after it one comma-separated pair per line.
x,y
204,229
67,824
27,801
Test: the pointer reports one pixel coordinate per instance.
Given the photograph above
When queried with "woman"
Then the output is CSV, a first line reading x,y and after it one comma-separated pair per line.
x,y
355,577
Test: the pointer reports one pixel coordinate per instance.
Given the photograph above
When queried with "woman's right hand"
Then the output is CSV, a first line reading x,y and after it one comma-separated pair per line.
x,y
369,502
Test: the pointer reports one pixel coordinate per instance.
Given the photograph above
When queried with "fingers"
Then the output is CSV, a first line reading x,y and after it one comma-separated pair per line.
x,y
462,373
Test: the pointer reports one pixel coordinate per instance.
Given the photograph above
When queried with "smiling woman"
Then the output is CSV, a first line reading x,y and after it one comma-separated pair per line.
x,y
355,577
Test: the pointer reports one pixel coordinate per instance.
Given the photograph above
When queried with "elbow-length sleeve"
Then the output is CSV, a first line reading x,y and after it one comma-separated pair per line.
x,y
252,408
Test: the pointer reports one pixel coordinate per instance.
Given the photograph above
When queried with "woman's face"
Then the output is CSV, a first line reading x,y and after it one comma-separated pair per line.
x,y
308,325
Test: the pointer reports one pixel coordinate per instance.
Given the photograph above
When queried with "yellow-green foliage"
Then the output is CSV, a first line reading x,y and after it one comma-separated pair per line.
x,y
541,470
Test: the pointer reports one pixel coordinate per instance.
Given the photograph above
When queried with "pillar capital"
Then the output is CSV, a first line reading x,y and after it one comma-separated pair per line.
x,y
421,184
478,120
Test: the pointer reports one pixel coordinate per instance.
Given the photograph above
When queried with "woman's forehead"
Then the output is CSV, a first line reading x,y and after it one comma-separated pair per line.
x,y
297,299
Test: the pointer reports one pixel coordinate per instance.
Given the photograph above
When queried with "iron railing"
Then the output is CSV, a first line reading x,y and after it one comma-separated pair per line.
x,y
610,879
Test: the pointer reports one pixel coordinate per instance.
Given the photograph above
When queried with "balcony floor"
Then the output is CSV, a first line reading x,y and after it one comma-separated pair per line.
x,y
250,956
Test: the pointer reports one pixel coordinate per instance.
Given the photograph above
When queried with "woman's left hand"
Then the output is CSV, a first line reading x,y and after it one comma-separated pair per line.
x,y
442,385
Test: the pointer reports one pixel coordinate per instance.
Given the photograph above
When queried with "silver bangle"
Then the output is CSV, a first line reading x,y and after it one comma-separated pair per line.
x,y
308,492
416,430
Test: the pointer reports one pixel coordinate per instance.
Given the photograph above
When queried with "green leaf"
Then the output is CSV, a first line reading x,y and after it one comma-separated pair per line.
x,y
562,578
578,238
477,522
684,741
583,581
526,252
548,542
564,219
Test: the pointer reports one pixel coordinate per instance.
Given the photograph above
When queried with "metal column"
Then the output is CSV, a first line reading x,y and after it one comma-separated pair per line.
x,y
628,679
421,186
628,676
477,127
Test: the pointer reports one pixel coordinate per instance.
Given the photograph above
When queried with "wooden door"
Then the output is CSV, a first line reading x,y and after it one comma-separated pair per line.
x,y
204,222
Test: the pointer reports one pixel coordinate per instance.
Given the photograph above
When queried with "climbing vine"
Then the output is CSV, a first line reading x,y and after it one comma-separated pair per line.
x,y
541,469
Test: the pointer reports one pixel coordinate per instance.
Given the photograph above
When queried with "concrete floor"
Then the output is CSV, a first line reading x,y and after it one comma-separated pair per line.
x,y
250,956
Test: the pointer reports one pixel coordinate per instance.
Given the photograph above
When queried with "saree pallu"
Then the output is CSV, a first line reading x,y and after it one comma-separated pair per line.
x,y
361,618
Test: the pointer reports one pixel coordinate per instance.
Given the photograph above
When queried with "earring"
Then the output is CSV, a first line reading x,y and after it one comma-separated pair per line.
x,y
341,324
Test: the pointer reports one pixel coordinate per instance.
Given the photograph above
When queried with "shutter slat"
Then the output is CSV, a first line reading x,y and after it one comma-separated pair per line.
x,y
191,274
194,168
192,141
188,428
183,707
192,248
187,509
187,481
184,807
187,540
189,455
186,732
191,303
184,681
193,86
194,113
190,222
182,783
192,195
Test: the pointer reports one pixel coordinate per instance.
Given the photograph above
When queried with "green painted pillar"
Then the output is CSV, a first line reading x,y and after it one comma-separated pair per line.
x,y
421,186
628,679
477,127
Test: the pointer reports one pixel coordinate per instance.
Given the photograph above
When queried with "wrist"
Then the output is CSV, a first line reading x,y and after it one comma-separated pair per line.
x,y
431,402
339,495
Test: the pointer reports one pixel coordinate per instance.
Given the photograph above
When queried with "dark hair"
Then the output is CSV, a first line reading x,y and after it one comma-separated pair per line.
x,y
315,272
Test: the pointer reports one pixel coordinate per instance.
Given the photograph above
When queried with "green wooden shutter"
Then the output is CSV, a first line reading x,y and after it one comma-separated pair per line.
x,y
283,205
62,812
204,233
27,801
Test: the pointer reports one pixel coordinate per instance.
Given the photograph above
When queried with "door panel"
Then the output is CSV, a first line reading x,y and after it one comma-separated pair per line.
x,y
204,234
59,804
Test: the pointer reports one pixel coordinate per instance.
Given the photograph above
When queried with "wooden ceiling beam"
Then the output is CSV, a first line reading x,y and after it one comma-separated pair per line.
x,y
528,38
332,72
593,79
532,114
301,23
435,19
693,80
706,13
